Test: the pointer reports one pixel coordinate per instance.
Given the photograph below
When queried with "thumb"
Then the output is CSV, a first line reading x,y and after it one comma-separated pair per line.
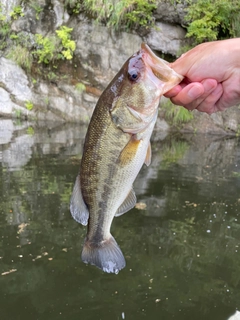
x,y
180,66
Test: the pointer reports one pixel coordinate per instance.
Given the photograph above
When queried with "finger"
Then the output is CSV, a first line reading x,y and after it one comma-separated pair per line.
x,y
231,93
188,94
210,103
173,92
209,86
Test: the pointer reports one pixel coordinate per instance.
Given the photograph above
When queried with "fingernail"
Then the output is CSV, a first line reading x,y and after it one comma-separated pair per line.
x,y
195,92
209,85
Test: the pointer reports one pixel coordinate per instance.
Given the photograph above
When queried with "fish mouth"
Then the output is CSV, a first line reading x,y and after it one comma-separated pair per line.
x,y
160,68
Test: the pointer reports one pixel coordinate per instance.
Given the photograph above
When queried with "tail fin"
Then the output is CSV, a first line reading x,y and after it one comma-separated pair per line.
x,y
107,255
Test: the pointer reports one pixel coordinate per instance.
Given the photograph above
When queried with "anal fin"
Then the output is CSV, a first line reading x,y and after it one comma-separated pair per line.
x,y
127,204
78,207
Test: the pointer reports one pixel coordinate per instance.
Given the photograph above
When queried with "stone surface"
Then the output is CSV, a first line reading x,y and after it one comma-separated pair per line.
x,y
7,6
166,38
221,123
18,153
52,103
171,12
14,80
16,145
43,23
5,103
100,53
217,119
6,131
60,13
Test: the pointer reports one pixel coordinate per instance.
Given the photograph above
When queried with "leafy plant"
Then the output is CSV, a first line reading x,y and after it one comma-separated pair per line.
x,y
30,131
75,5
46,48
29,105
212,20
238,131
4,30
17,12
14,36
69,46
2,16
18,113
80,87
4,33
52,76
38,9
55,47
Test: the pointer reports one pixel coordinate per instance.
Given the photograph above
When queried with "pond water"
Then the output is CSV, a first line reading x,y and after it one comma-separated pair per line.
x,y
182,250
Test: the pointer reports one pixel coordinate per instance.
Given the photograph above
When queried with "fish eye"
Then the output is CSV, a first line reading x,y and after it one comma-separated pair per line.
x,y
133,74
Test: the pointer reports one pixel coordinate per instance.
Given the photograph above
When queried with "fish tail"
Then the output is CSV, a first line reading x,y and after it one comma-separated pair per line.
x,y
107,255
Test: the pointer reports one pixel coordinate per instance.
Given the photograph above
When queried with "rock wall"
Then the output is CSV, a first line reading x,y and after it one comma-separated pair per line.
x,y
99,54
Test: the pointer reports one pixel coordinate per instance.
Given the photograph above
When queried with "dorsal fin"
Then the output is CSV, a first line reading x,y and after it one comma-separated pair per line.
x,y
127,204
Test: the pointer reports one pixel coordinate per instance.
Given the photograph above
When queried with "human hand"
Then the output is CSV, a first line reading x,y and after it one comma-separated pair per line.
x,y
212,77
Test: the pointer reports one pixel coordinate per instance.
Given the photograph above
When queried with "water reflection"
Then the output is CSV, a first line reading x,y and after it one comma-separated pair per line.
x,y
182,250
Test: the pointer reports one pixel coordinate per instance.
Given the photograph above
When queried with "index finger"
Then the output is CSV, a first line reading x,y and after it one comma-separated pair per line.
x,y
173,92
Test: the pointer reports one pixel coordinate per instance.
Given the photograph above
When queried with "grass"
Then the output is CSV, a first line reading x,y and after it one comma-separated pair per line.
x,y
21,55
176,115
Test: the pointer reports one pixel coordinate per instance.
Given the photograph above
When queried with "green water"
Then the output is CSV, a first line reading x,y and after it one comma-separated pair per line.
x,y
182,250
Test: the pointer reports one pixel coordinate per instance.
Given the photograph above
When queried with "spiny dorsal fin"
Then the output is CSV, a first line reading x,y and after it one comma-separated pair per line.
x,y
127,204
78,207
148,155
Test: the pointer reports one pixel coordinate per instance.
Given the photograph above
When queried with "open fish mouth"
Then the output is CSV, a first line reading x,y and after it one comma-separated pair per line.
x,y
160,68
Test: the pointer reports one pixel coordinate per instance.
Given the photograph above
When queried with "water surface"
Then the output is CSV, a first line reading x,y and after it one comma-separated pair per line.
x,y
182,250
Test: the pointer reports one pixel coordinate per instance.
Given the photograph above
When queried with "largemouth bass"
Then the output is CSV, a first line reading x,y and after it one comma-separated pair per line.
x,y
116,146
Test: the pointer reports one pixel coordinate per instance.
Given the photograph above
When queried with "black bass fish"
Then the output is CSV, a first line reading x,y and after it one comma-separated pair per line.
x,y
116,146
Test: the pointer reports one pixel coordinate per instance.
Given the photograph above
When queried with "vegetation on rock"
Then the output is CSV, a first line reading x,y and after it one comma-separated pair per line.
x,y
213,20
205,20
176,115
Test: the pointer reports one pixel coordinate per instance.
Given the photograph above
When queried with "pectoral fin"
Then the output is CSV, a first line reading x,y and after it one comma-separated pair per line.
x,y
129,151
148,155
78,207
127,204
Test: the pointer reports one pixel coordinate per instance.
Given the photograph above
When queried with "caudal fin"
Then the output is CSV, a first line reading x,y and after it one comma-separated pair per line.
x,y
107,255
